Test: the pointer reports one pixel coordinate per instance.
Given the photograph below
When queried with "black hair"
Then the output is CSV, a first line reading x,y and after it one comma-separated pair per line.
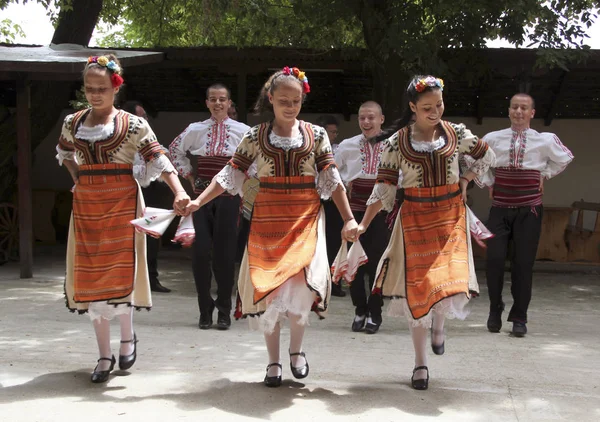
x,y
276,79
326,120
411,96
219,85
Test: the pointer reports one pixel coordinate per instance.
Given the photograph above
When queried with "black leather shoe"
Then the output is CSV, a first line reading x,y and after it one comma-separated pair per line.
x,y
494,322
422,384
519,329
336,290
223,321
438,350
359,323
126,362
273,381
371,328
102,376
206,320
157,287
301,371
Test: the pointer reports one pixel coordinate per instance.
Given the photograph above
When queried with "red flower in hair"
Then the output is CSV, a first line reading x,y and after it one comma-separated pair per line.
x,y
305,87
116,80
296,71
287,70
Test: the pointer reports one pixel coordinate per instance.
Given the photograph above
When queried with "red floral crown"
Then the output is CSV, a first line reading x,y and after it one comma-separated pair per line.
x,y
114,69
300,75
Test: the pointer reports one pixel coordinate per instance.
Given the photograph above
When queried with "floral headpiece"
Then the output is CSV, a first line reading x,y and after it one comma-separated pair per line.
x,y
112,66
301,76
429,82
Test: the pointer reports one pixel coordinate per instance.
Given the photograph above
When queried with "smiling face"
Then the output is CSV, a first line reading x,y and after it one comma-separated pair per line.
x,y
428,109
370,120
99,91
521,111
218,102
286,99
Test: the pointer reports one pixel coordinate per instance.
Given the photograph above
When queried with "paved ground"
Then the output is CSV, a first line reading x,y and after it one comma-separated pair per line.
x,y
184,374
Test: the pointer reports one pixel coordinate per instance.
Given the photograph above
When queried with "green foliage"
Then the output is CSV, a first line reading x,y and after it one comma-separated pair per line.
x,y
80,102
9,31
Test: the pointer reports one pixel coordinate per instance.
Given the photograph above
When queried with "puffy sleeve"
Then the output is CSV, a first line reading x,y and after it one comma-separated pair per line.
x,y
152,160
328,176
479,156
233,175
388,175
179,148
559,157
66,144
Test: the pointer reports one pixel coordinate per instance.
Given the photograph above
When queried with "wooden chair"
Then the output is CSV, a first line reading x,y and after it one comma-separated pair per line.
x,y
584,244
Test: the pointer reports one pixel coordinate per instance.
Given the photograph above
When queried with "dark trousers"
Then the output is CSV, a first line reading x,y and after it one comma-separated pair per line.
x,y
523,226
333,230
157,195
215,248
374,241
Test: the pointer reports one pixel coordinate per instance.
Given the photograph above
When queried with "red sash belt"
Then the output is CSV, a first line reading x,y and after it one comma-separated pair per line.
x,y
517,188
208,167
360,191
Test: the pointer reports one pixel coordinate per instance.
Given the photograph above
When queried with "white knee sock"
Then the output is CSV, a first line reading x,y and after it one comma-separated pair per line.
x,y
437,336
102,329
296,336
419,339
272,342
126,321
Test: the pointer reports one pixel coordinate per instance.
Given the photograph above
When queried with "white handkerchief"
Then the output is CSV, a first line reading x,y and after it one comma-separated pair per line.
x,y
347,262
185,233
478,230
154,221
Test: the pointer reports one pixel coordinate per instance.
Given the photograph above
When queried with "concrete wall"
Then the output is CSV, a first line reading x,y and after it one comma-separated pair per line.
x,y
579,181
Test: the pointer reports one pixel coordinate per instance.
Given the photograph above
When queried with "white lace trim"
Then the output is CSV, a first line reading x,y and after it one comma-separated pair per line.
x,y
384,192
284,142
453,307
424,146
327,182
292,297
96,133
146,173
232,180
98,310
64,155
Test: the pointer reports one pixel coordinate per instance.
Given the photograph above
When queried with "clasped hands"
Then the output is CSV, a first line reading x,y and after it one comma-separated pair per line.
x,y
352,230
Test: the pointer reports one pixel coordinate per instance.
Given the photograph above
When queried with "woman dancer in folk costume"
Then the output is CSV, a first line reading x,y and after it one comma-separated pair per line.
x,y
427,268
107,274
285,271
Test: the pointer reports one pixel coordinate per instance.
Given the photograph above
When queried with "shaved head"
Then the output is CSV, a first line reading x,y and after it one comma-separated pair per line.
x,y
372,105
523,95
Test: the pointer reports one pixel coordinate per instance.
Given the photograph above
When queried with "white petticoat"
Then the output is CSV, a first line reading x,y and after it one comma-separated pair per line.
x,y
292,297
98,310
453,307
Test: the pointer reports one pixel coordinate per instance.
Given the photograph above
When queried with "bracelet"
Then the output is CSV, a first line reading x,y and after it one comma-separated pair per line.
x,y
348,219
464,178
179,191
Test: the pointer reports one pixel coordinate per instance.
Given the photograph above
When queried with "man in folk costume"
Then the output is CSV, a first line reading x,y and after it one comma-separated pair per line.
x,y
524,159
357,159
212,143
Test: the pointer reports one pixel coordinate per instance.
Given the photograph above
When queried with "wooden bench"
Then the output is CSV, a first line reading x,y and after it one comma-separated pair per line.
x,y
584,244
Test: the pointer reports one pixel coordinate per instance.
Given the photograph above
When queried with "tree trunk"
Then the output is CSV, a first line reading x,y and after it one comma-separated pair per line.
x,y
48,99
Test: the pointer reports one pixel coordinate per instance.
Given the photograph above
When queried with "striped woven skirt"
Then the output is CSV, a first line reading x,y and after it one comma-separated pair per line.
x,y
436,247
105,257
285,267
